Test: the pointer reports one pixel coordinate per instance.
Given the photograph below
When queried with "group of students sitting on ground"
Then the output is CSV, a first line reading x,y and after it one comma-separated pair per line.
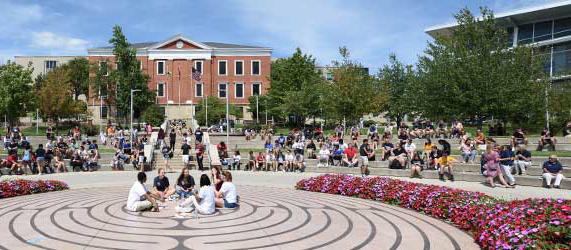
x,y
219,192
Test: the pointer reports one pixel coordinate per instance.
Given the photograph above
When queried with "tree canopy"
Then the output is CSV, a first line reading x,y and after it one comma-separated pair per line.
x,y
16,91
473,73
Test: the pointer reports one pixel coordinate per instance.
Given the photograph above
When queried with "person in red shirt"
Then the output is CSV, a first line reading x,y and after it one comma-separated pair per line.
x,y
11,162
350,156
260,160
222,150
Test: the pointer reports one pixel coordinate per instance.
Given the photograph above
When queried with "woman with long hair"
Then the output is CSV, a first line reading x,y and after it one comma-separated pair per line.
x,y
227,197
203,202
492,166
216,177
184,184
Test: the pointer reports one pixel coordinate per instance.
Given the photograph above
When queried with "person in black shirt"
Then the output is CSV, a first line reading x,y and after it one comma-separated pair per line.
x,y
311,148
40,158
416,166
185,153
365,152
433,156
184,184
522,160
172,138
198,135
162,186
445,146
386,149
398,156
518,137
546,140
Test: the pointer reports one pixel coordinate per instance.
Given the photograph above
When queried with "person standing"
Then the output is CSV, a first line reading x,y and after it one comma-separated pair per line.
x,y
172,138
185,148
198,135
199,150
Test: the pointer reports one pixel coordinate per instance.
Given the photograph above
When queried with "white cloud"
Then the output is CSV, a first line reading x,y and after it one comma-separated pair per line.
x,y
49,40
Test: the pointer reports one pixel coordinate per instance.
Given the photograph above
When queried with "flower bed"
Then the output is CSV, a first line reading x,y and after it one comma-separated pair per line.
x,y
494,223
12,188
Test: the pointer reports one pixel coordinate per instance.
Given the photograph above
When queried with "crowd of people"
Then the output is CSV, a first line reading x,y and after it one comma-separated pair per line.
x,y
23,158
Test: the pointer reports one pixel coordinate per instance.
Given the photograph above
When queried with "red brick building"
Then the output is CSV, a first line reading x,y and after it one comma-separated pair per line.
x,y
226,70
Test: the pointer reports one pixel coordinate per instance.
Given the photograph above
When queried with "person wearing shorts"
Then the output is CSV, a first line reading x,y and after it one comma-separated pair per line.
x,y
364,153
227,197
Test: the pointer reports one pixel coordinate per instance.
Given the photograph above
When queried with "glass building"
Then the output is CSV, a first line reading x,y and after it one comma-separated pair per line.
x,y
546,27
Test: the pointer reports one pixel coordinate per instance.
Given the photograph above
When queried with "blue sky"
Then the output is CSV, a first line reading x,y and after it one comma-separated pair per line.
x,y
370,29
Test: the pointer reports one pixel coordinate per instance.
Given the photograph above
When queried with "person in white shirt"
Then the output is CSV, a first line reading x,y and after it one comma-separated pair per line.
x,y
324,155
203,202
227,197
289,160
140,199
410,148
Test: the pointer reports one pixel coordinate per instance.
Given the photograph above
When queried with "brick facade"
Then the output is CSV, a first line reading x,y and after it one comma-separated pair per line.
x,y
180,55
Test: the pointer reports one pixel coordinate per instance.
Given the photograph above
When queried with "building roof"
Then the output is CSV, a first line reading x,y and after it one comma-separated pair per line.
x,y
215,45
516,17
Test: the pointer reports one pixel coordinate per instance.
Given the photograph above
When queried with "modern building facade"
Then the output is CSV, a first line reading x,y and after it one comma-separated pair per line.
x,y
546,27
43,64
183,72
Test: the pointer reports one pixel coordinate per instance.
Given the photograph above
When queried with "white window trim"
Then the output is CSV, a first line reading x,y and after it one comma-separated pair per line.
x,y
236,92
235,68
252,68
201,89
201,66
164,67
224,83
100,62
164,89
260,84
226,67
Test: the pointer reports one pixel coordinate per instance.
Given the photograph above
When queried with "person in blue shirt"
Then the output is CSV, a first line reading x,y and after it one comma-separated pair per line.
x,y
268,146
281,140
337,155
552,168
507,157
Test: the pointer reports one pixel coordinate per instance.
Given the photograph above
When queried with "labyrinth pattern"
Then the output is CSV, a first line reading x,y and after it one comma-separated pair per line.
x,y
268,218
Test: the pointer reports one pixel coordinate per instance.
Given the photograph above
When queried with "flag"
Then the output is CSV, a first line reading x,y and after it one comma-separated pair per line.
x,y
196,75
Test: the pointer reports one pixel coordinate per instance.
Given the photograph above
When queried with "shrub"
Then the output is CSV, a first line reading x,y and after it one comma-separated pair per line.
x,y
12,188
495,224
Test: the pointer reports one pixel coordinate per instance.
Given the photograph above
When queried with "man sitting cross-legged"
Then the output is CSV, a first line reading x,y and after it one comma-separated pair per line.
x,y
140,199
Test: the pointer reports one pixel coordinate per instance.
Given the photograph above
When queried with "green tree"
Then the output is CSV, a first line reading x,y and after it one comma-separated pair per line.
x,y
472,73
353,92
127,76
153,115
16,93
56,97
295,88
79,76
216,111
398,80
559,103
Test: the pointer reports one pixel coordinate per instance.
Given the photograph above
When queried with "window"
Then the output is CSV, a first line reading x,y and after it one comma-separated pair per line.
x,y
50,65
103,114
160,67
198,90
104,68
256,68
198,66
161,89
140,64
525,34
542,31
329,76
239,92
222,90
510,31
562,27
256,89
222,68
239,68
562,59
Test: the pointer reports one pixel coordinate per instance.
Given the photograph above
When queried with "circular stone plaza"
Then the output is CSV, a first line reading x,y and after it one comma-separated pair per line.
x,y
272,215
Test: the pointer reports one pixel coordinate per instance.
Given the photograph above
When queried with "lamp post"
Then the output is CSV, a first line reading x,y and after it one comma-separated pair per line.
x,y
257,110
227,115
132,91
